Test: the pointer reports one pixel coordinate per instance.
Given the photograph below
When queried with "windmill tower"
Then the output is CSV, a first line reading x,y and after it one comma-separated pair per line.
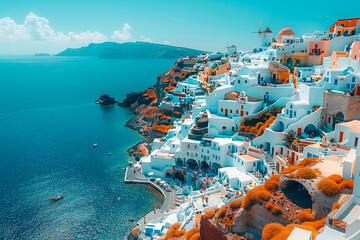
x,y
265,37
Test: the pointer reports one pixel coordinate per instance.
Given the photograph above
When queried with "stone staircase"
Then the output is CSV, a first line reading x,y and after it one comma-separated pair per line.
x,y
270,161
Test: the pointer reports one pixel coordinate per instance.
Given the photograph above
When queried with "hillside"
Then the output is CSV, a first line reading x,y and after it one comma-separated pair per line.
x,y
130,50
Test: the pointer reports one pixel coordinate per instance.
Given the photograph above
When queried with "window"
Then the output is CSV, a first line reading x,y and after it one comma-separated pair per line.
x,y
233,128
238,81
245,81
348,85
222,110
188,145
242,107
230,110
237,111
294,113
247,112
195,154
353,79
290,106
329,120
356,141
188,153
336,81
195,147
218,148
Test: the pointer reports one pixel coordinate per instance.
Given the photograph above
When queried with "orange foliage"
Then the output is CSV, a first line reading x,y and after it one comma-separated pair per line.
x,y
307,161
274,209
254,196
275,231
306,216
336,178
290,169
346,184
335,205
174,232
191,232
150,113
161,128
306,173
209,214
328,187
271,230
271,185
196,236
177,114
236,204
221,212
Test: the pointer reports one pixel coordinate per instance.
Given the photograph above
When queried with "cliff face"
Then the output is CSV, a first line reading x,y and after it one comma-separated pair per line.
x,y
149,120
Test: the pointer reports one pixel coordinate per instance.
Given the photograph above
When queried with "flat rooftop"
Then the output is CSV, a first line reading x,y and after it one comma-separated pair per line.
x,y
247,157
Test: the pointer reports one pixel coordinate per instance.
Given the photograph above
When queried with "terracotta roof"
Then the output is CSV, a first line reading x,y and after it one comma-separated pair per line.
x,y
248,157
286,31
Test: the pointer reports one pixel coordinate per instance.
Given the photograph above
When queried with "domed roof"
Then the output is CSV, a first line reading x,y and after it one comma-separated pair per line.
x,y
286,31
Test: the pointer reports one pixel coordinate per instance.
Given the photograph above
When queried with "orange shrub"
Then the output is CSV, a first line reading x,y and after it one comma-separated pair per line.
x,y
306,216
346,184
290,169
335,205
221,212
209,214
174,232
196,236
271,230
275,231
161,128
291,175
236,204
306,161
271,186
254,196
191,232
328,187
336,178
151,112
274,209
306,173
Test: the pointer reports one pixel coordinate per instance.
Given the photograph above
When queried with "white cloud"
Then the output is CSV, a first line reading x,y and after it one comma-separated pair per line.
x,y
124,35
36,34
145,39
167,42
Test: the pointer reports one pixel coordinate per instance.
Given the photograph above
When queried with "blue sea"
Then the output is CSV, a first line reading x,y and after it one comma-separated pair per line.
x,y
48,125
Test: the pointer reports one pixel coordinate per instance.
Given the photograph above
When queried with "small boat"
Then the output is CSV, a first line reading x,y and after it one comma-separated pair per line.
x,y
131,220
57,198
95,145
109,154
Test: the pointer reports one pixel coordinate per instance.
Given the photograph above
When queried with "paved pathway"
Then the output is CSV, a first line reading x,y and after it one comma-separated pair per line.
x,y
169,197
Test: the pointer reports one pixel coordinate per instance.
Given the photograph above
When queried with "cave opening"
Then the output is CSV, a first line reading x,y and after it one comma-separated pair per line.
x,y
297,194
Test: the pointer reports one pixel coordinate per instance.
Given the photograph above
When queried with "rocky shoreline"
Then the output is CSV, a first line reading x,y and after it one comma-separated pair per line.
x,y
149,120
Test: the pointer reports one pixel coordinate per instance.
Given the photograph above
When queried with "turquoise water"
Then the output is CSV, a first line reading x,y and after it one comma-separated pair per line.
x,y
48,124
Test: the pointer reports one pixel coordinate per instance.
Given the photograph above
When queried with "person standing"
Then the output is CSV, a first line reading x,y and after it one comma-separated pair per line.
x,y
155,210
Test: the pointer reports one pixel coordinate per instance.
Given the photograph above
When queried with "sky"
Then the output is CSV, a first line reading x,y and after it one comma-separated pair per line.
x,y
50,26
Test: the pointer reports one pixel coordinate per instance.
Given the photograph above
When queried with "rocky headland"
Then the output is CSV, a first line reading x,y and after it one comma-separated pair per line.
x,y
149,120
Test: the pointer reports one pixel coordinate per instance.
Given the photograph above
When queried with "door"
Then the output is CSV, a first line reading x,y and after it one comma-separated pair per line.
x,y
341,136
226,112
290,114
299,132
293,156
241,113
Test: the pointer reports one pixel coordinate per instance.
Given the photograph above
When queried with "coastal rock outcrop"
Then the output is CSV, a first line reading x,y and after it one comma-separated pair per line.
x,y
149,120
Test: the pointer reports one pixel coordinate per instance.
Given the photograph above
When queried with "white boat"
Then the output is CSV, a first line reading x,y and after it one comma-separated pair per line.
x,y
95,145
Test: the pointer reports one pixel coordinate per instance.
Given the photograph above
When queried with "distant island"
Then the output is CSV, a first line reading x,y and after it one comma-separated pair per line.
x,y
42,54
130,50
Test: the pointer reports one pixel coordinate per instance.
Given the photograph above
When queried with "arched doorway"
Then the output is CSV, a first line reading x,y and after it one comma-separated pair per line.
x,y
311,130
281,126
180,176
204,166
296,193
179,163
192,164
215,167
339,118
